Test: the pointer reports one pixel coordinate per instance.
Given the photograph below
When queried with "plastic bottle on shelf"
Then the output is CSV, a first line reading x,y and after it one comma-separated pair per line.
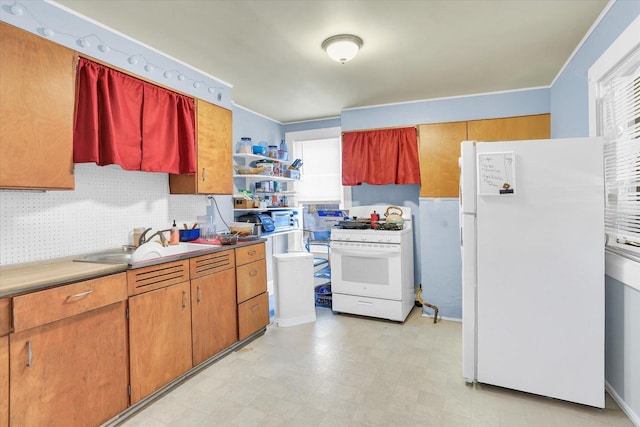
x,y
245,146
272,151
283,153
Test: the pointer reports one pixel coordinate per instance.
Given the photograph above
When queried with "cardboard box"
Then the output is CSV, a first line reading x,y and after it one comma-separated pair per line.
x,y
244,204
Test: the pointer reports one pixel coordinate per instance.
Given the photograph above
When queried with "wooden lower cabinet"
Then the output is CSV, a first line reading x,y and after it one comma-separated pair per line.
x,y
253,315
5,315
159,338
213,314
251,283
72,372
4,381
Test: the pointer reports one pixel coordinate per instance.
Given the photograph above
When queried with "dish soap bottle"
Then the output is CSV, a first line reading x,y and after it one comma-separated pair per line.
x,y
174,238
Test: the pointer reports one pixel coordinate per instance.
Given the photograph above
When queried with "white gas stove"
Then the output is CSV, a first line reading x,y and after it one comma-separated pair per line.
x,y
372,268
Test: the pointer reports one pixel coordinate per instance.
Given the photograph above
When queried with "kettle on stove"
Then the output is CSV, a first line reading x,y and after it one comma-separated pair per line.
x,y
394,218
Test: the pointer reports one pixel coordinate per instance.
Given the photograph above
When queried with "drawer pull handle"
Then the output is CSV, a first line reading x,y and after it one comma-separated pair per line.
x,y
29,354
81,294
199,294
255,307
184,299
253,272
251,252
204,174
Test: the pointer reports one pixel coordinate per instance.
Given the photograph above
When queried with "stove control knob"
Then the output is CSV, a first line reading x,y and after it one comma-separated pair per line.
x,y
380,238
364,238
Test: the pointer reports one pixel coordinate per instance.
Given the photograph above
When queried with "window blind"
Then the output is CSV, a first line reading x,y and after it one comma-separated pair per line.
x,y
321,173
619,113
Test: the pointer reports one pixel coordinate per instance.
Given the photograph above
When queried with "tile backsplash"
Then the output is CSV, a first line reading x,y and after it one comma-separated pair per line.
x,y
100,213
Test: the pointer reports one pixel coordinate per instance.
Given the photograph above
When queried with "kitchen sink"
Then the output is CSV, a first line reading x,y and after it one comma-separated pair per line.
x,y
113,256
147,252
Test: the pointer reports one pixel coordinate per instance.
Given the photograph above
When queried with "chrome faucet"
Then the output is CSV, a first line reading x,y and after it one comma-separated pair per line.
x,y
143,237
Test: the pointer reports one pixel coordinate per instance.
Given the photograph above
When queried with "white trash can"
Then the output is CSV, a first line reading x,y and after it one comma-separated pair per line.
x,y
293,288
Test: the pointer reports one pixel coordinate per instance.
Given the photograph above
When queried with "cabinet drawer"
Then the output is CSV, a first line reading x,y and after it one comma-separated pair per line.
x,y
251,280
157,276
250,253
5,316
212,263
253,315
39,308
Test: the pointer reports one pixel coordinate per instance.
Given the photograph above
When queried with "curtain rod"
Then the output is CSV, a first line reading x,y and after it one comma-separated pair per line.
x,y
373,129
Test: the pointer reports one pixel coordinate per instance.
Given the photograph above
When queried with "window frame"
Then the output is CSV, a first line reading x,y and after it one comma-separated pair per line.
x,y
621,264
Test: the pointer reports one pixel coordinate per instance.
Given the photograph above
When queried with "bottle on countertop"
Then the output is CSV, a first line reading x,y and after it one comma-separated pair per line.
x,y
174,238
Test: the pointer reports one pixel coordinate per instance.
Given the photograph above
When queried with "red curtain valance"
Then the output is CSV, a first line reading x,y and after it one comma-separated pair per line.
x,y
380,157
126,121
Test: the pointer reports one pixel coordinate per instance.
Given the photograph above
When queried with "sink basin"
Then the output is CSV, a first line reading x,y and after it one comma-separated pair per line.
x,y
114,256
153,250
147,252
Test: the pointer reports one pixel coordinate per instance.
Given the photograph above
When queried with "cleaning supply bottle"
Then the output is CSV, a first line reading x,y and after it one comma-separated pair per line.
x,y
174,238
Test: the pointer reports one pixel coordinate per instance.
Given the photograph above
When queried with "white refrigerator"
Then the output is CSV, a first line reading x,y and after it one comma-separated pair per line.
x,y
532,241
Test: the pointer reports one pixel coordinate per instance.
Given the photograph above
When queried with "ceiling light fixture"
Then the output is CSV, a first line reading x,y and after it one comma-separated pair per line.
x,y
343,47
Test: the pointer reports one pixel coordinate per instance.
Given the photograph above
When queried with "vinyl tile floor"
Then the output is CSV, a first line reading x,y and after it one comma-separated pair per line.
x,y
344,370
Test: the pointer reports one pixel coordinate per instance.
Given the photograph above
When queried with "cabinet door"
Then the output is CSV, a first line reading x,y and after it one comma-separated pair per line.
x,y
253,315
251,279
5,315
159,338
72,372
439,148
37,100
213,314
511,128
214,151
4,381
250,253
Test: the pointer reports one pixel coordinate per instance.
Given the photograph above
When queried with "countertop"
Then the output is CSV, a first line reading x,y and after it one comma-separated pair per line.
x,y
16,279
28,277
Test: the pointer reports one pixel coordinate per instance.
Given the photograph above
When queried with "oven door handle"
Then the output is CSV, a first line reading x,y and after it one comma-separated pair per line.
x,y
365,254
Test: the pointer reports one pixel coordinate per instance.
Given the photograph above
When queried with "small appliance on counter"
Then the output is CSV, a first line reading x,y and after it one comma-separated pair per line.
x,y
259,218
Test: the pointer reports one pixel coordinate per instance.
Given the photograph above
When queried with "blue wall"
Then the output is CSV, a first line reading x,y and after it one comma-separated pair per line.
x,y
255,126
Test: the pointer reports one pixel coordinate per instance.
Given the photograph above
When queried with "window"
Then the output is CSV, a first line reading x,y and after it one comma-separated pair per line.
x,y
321,174
614,91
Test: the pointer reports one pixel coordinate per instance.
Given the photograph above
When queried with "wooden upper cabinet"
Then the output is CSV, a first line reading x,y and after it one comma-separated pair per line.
x,y
439,148
37,100
510,128
214,154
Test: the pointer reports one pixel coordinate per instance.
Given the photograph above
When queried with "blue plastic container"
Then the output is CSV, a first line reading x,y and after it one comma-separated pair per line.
x,y
187,235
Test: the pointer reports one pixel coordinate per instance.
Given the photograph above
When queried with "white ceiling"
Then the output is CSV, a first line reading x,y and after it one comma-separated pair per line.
x,y
269,50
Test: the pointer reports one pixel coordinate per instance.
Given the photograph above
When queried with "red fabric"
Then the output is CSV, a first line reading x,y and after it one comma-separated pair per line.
x,y
168,123
380,157
125,121
107,127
